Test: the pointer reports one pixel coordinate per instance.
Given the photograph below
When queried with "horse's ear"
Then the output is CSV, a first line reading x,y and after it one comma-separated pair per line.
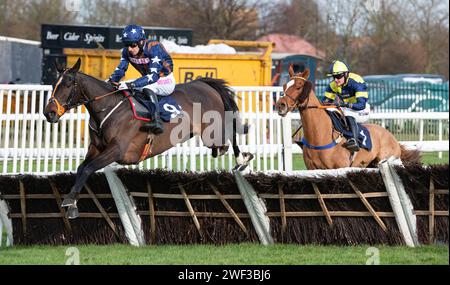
x,y
306,73
76,67
291,70
59,67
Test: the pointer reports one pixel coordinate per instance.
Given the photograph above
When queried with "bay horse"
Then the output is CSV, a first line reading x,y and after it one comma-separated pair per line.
x,y
318,131
115,134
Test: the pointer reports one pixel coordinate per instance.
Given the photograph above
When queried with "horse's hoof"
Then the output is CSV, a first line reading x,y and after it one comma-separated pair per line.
x,y
223,150
248,156
240,167
69,202
72,212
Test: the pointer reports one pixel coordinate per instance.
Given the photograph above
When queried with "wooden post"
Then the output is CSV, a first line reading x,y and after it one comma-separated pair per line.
x,y
369,207
102,210
151,209
229,208
282,210
431,213
61,209
23,207
322,204
190,209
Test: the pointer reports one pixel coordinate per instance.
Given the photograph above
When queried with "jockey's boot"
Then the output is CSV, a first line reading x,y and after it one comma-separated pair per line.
x,y
155,125
352,143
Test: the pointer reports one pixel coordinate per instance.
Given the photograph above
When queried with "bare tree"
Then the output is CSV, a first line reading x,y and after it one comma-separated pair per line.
x,y
224,19
430,25
111,13
296,17
386,40
348,21
23,18
404,37
163,13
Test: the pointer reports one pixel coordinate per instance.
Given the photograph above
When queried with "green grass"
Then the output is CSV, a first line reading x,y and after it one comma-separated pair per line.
x,y
428,158
432,158
235,254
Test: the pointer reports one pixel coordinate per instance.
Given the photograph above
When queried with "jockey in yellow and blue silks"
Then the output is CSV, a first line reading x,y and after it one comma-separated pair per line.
x,y
352,92
151,59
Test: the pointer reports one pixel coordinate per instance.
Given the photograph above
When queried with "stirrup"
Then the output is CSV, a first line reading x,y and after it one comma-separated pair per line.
x,y
157,130
351,145
155,126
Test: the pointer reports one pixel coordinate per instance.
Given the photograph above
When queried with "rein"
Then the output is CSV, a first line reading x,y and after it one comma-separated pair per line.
x,y
305,106
61,109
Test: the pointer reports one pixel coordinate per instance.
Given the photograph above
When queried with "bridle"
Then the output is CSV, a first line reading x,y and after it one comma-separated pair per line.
x,y
62,108
297,103
304,106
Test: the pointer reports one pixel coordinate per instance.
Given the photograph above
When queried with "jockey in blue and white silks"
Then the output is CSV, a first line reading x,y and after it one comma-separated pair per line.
x,y
352,92
151,59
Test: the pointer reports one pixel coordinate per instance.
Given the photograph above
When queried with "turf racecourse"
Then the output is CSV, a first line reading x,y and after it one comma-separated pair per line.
x,y
233,254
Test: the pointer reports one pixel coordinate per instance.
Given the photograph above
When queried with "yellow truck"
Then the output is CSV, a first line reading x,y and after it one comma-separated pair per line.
x,y
250,68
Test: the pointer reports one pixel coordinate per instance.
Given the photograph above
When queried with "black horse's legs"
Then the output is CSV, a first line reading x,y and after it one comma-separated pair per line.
x,y
242,158
91,154
214,151
109,155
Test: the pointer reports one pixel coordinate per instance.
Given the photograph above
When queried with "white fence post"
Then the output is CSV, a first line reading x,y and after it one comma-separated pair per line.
x,y
400,203
256,209
287,143
126,208
5,222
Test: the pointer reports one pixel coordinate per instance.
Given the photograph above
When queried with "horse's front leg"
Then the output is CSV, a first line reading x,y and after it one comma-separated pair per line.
x,y
90,155
111,154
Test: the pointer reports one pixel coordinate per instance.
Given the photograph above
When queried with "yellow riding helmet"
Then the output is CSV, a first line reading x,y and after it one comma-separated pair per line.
x,y
337,67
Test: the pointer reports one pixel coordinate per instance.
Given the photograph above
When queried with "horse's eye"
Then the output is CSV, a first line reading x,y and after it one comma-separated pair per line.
x,y
67,82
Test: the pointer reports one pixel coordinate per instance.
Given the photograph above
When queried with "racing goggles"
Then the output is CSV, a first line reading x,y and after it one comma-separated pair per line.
x,y
338,76
133,45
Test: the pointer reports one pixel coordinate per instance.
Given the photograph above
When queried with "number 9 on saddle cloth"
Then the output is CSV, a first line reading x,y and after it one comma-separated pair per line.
x,y
143,107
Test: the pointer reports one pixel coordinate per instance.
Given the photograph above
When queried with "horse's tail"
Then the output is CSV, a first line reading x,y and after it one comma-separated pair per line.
x,y
229,104
408,156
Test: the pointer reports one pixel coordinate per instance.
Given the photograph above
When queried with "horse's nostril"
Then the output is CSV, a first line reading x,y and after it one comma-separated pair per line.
x,y
51,116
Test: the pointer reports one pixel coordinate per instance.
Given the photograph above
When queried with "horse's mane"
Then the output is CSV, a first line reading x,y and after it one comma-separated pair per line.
x,y
307,88
226,93
102,83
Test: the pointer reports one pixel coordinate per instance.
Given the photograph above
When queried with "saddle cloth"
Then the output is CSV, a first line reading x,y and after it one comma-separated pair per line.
x,y
168,107
364,138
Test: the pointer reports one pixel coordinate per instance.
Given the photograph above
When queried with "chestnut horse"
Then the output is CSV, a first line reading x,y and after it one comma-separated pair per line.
x,y
116,136
318,131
